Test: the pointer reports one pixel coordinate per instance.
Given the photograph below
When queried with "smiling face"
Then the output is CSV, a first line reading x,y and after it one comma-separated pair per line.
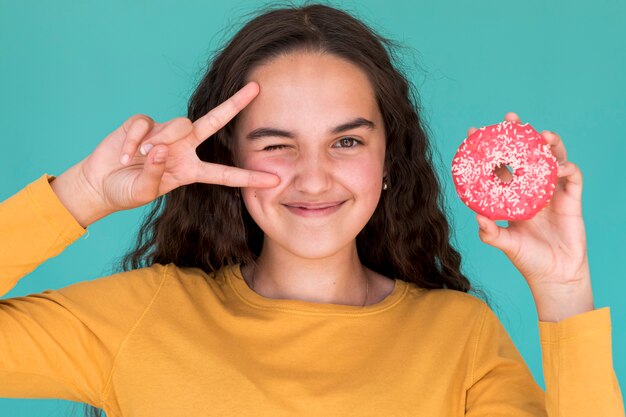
x,y
315,124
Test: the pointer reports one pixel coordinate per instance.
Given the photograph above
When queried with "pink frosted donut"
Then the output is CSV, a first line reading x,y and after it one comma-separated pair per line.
x,y
507,143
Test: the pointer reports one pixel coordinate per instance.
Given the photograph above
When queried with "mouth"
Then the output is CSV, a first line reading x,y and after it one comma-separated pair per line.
x,y
320,209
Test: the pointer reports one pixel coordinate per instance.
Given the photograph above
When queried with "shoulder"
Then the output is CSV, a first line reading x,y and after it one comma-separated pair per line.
x,y
194,283
153,278
445,296
131,293
194,276
136,283
445,301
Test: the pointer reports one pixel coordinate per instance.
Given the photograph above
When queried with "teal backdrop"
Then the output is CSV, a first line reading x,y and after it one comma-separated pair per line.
x,y
72,71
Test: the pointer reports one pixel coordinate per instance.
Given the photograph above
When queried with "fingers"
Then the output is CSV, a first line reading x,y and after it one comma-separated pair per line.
x,y
503,173
573,179
556,144
217,118
492,234
144,133
566,169
511,117
146,187
557,147
168,133
235,177
136,128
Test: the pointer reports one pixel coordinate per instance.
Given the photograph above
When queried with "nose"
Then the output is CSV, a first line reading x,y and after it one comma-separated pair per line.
x,y
313,172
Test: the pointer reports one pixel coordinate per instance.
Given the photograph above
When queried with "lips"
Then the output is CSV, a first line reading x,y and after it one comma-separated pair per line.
x,y
313,206
313,209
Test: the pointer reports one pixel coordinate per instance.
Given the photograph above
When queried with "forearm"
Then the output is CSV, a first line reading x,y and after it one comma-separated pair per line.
x,y
34,227
78,197
559,302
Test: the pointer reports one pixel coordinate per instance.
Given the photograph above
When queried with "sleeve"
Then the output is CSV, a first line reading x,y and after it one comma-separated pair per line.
x,y
578,366
500,383
61,343
34,226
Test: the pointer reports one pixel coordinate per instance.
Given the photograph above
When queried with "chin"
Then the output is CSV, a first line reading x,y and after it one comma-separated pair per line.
x,y
313,247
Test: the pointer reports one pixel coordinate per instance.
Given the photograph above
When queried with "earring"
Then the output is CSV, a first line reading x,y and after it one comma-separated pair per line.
x,y
385,186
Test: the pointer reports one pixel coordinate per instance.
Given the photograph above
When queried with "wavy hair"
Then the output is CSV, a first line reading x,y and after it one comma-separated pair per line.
x,y
208,227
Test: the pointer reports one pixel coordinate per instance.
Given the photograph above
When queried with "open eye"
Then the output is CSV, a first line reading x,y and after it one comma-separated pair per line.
x,y
347,142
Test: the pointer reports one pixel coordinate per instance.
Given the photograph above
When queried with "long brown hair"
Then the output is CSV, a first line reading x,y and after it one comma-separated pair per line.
x,y
208,227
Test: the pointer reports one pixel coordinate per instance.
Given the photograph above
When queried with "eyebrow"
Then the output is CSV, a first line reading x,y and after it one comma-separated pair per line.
x,y
269,131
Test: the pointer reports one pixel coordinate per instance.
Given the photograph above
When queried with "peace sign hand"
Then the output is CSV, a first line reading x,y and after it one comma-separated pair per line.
x,y
142,160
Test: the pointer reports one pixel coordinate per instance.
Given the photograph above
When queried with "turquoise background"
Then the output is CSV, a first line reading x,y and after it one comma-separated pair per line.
x,y
72,71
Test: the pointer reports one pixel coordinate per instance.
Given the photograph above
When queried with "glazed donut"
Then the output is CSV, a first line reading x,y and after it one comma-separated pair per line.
x,y
529,156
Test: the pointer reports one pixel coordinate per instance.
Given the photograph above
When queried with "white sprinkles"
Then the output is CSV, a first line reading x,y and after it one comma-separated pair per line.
x,y
506,143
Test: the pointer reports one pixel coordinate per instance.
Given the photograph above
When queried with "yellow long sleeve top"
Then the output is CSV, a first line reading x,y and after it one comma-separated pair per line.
x,y
171,341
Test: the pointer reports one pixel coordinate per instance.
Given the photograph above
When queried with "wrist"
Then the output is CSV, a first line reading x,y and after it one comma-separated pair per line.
x,y
559,302
78,196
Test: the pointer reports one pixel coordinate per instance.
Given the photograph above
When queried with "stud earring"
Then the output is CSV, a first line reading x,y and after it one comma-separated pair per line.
x,y
385,186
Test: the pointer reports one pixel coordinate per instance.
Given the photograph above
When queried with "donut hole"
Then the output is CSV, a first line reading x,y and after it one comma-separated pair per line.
x,y
504,172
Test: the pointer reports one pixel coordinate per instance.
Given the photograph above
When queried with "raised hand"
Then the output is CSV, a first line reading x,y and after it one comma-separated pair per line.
x,y
549,250
142,160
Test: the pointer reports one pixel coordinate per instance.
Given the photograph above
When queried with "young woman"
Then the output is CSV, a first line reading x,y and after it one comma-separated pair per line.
x,y
296,260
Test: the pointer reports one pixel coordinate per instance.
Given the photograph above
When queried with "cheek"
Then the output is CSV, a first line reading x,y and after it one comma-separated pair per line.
x,y
255,198
278,166
366,181
362,174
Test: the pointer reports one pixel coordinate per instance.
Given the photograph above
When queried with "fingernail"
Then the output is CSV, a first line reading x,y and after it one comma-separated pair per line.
x,y
145,148
125,159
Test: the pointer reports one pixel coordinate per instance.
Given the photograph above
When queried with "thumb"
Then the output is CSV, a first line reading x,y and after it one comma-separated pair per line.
x,y
146,187
492,234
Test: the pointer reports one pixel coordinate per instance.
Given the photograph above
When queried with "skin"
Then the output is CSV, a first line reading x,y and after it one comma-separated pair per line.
x,y
143,159
330,182
549,250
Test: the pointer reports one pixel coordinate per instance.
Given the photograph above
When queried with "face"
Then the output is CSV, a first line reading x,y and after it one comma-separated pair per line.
x,y
315,124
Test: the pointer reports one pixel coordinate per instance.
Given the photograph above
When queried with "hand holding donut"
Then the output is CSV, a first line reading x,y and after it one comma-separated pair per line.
x,y
142,160
549,249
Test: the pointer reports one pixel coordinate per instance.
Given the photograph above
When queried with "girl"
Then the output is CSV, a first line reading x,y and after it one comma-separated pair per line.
x,y
296,260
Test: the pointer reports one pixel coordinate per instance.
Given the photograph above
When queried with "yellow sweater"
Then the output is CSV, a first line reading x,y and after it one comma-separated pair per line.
x,y
170,341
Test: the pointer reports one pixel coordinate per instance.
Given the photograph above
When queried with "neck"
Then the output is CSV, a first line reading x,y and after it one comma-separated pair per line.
x,y
337,279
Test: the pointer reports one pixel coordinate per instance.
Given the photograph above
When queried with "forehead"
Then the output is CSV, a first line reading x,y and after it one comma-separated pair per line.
x,y
310,89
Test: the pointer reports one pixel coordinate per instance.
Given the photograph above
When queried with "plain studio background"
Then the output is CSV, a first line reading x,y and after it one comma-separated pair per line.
x,y
73,71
